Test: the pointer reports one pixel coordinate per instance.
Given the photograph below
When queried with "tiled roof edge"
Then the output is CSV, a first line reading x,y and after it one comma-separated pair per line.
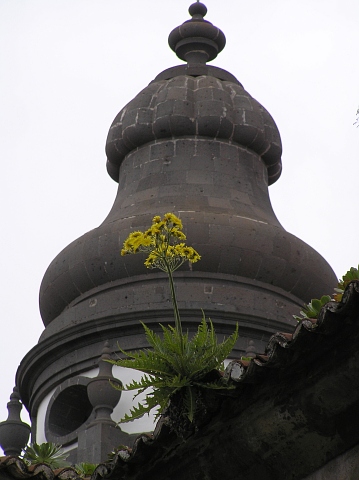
x,y
282,352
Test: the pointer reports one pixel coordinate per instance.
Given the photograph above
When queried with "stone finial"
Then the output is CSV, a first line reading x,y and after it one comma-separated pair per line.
x,y
101,390
198,10
251,349
14,433
101,435
197,41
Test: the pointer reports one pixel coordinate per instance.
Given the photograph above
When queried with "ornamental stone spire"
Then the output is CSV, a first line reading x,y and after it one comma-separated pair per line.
x,y
193,142
14,433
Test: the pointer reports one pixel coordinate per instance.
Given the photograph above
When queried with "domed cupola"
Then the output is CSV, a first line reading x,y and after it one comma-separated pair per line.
x,y
193,142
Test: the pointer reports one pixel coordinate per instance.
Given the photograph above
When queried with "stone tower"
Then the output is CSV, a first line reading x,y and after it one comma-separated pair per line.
x,y
195,143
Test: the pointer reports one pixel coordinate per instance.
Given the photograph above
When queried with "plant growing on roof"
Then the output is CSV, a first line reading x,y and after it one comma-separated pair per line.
x,y
312,309
85,469
352,274
48,453
176,367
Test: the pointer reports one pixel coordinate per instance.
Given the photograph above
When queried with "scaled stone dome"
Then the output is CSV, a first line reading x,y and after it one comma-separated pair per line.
x,y
201,106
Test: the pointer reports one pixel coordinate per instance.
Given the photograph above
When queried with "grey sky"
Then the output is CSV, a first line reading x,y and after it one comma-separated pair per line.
x,y
68,66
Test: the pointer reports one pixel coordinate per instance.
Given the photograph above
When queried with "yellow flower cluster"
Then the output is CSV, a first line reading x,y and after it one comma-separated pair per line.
x,y
161,241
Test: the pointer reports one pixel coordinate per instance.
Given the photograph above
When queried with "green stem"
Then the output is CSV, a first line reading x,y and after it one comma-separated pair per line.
x,y
178,324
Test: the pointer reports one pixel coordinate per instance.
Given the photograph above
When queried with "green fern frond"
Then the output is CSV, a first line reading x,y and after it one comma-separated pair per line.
x,y
146,361
146,381
136,412
168,371
219,385
189,402
158,399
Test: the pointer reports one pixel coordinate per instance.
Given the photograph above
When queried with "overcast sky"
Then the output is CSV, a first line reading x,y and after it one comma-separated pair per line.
x,y
67,67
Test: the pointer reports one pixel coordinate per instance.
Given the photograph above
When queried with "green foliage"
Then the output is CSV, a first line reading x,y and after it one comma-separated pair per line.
x,y
352,274
85,469
312,309
169,369
48,453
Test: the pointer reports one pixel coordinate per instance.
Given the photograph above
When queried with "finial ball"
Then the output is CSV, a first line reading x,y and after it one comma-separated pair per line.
x,y
197,8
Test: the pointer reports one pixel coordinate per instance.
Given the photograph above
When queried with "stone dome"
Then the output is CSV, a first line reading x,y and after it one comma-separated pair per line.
x,y
193,142
201,106
198,145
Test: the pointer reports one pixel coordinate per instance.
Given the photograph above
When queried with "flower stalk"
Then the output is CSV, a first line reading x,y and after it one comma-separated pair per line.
x,y
166,251
178,323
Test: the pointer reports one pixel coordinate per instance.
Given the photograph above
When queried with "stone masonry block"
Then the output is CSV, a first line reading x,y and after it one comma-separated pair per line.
x,y
182,125
203,163
199,176
242,101
136,136
144,115
161,127
164,108
185,147
210,108
183,108
203,94
162,150
177,93
129,118
222,96
208,126
226,128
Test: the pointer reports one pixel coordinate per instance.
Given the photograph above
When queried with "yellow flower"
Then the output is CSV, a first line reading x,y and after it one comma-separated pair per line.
x,y
161,242
170,251
171,218
147,240
151,260
156,229
190,253
178,234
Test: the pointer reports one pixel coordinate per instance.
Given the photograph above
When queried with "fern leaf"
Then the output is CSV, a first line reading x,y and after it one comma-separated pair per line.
x,y
136,412
189,402
219,385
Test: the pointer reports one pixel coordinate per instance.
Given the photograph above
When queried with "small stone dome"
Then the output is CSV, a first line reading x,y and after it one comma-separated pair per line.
x,y
201,106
